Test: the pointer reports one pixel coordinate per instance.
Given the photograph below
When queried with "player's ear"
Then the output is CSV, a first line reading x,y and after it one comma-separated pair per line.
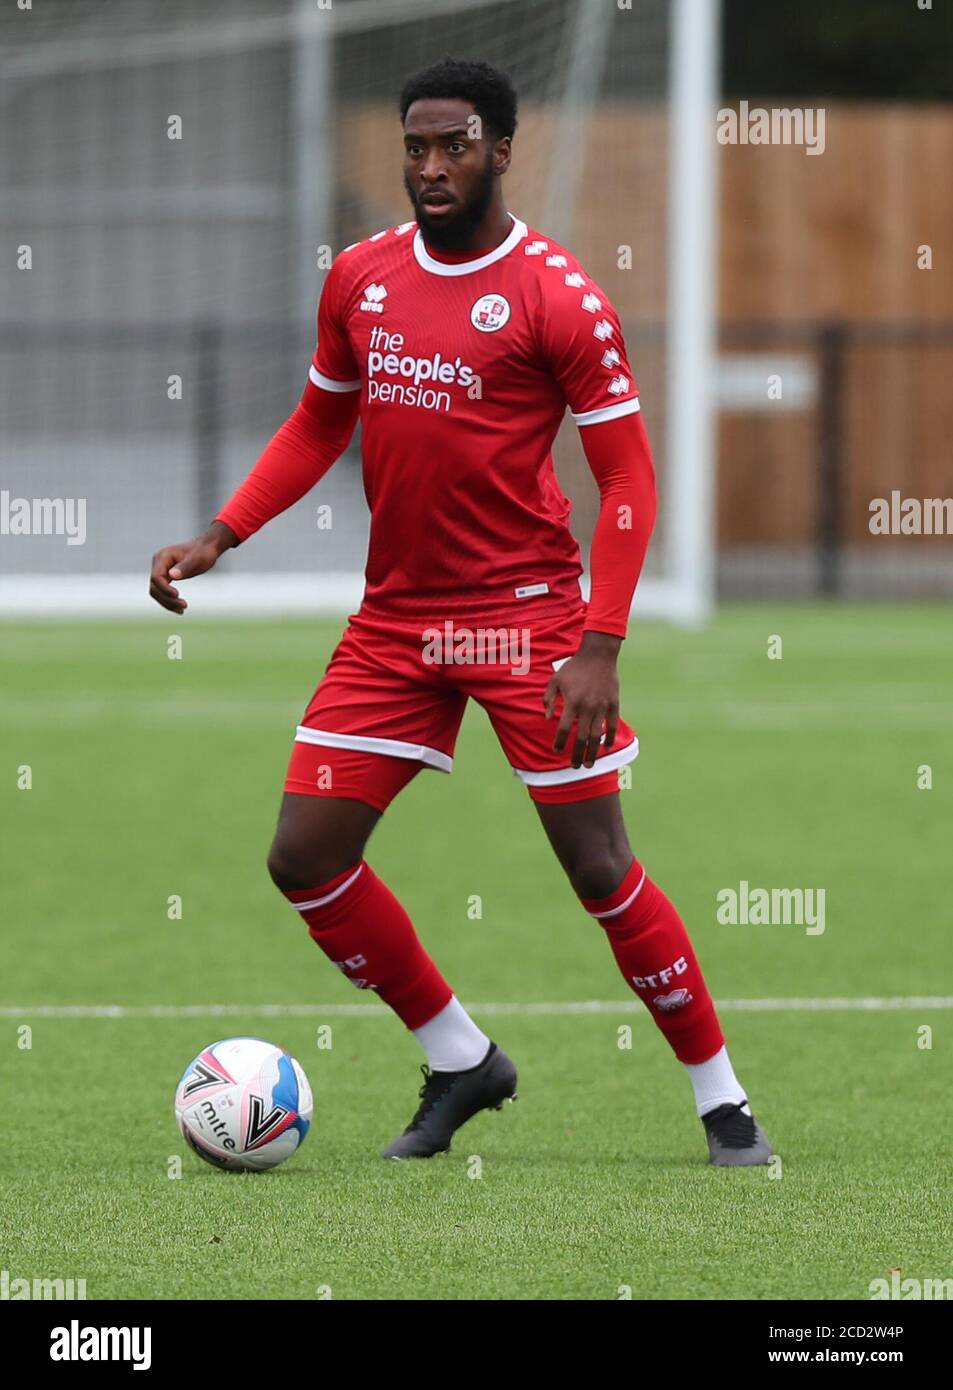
x,y
502,154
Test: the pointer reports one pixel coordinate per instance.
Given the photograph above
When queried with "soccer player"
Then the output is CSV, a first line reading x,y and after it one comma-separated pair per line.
x,y
459,338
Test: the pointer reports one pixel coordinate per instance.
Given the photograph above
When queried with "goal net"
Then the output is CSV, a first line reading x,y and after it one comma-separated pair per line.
x,y
172,170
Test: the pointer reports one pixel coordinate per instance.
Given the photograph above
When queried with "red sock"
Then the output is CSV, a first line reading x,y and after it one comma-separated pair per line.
x,y
651,946
362,928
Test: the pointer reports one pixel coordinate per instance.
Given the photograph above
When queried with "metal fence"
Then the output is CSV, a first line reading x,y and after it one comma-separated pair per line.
x,y
156,469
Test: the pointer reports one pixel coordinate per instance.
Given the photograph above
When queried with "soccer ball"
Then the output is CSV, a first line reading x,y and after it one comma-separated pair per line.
x,y
244,1104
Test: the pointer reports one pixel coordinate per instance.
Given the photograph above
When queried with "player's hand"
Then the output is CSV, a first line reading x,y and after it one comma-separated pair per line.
x,y
589,686
184,561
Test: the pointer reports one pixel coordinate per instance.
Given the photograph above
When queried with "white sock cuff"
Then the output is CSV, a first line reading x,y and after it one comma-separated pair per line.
x,y
714,1082
451,1039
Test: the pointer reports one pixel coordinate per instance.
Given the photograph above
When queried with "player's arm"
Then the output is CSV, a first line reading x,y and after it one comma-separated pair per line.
x,y
620,458
184,560
293,461
581,341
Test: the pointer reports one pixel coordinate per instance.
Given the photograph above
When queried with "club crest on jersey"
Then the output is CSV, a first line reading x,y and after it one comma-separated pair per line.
x,y
490,313
374,295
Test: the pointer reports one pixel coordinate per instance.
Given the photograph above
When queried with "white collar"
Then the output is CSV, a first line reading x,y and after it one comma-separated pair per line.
x,y
427,262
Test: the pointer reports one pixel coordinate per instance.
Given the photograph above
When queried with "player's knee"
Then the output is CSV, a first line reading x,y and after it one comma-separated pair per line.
x,y
598,873
295,866
282,864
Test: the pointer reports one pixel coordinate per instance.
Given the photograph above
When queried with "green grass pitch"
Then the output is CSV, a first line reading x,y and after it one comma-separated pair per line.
x,y
154,777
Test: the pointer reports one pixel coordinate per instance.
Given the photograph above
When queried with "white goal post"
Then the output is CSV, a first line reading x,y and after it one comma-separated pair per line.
x,y
688,594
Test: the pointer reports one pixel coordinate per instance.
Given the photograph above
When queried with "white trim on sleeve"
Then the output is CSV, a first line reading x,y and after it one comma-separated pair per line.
x,y
367,743
327,383
608,412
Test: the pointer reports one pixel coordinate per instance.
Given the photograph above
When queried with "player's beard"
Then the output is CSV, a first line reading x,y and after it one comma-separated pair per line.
x,y
456,233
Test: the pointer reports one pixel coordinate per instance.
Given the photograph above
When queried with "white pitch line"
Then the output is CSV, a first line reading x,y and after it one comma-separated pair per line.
x,y
830,1004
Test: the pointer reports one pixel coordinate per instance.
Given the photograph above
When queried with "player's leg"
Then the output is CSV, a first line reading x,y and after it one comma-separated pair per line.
x,y
646,934
581,813
318,838
653,951
317,860
338,785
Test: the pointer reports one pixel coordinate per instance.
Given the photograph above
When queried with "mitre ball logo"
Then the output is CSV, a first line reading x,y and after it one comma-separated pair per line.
x,y
490,313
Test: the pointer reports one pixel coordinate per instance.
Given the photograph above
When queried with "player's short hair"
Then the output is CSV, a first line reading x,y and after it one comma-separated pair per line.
x,y
488,90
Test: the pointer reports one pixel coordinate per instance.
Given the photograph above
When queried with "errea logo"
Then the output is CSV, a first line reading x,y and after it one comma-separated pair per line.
x,y
372,301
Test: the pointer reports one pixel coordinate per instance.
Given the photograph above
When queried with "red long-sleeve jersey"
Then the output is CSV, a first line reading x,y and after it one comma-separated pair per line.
x,y
461,369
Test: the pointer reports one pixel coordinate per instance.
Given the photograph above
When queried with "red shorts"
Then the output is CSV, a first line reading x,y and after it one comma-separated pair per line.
x,y
393,695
